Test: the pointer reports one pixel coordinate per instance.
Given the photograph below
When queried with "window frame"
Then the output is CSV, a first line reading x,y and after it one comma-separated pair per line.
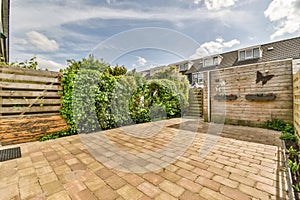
x,y
252,56
199,77
212,62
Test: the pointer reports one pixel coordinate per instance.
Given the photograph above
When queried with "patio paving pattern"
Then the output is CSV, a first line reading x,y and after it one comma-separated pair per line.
x,y
241,163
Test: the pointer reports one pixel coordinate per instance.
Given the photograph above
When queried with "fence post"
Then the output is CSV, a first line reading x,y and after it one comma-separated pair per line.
x,y
0,95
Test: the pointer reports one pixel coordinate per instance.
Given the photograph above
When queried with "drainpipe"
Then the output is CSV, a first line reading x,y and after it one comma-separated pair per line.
x,y
208,98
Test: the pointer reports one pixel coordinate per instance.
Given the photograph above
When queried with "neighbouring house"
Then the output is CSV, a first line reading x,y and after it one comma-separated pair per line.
x,y
4,30
247,86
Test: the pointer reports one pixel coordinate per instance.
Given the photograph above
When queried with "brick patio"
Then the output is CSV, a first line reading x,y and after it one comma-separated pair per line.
x,y
242,163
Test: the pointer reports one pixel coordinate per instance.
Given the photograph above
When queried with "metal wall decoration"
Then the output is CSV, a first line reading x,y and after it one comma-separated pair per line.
x,y
262,78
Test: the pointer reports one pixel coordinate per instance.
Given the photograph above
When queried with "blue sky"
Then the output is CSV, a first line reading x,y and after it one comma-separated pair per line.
x,y
57,30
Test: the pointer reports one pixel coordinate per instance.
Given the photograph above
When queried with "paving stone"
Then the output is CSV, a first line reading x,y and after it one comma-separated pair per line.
x,y
234,193
94,183
30,191
153,178
253,192
95,166
10,180
104,173
214,164
172,168
170,176
115,182
216,170
149,189
26,171
62,195
165,196
226,181
261,179
242,179
9,192
235,170
212,195
135,180
62,169
184,165
189,185
171,188
52,187
129,193
27,180
203,173
47,178
144,197
266,188
208,183
106,193
43,170
188,195
86,194
247,168
187,174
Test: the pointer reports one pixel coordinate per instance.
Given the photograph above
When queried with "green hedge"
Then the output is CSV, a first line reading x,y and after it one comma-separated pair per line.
x,y
98,97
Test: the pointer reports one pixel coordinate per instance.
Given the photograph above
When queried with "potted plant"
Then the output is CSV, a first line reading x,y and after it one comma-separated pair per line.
x,y
223,97
261,97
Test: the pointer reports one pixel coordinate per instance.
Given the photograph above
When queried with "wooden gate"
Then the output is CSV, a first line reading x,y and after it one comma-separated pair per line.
x,y
196,103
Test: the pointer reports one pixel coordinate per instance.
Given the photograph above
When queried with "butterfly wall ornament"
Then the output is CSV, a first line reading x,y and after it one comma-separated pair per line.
x,y
262,78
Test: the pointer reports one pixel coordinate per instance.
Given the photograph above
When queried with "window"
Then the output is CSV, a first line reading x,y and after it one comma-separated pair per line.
x,y
256,52
208,62
242,55
183,67
249,53
198,77
216,60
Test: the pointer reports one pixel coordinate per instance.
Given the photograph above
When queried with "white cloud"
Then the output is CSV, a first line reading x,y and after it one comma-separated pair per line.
x,y
41,42
141,61
218,4
19,41
213,47
49,64
197,1
200,52
285,15
231,43
85,12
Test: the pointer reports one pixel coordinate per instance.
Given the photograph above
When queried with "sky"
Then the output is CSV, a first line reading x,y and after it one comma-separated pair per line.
x,y
143,34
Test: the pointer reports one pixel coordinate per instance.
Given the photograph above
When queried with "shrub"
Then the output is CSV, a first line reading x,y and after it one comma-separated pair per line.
x,y
154,101
288,136
98,97
275,124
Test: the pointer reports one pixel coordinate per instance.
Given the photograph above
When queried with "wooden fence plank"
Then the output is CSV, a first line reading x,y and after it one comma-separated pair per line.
x,y
30,101
11,85
15,77
12,93
10,110
11,69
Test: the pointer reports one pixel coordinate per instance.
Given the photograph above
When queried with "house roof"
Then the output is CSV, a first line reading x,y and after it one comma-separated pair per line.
x,y
280,50
284,49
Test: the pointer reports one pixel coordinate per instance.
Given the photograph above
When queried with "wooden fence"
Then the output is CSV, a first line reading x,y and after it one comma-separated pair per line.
x,y
296,96
241,81
29,104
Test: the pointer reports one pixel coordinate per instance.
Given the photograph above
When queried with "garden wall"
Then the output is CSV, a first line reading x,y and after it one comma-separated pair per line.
x,y
241,81
29,104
